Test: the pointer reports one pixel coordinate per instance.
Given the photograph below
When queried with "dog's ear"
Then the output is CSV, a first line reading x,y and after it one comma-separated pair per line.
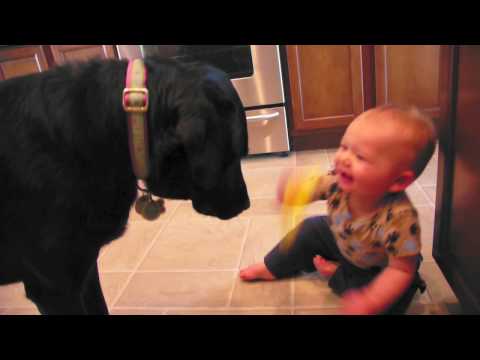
x,y
218,96
204,155
212,127
221,93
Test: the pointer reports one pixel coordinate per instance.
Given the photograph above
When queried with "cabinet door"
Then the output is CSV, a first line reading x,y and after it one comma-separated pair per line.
x,y
66,53
326,85
408,74
456,247
19,61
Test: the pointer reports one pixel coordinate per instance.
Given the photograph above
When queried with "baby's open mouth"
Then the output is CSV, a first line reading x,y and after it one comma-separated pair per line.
x,y
345,177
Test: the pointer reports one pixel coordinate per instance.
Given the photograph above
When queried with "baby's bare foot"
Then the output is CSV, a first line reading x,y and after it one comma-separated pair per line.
x,y
324,267
256,272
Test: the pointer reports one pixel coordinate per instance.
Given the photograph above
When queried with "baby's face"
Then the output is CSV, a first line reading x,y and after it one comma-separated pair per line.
x,y
370,157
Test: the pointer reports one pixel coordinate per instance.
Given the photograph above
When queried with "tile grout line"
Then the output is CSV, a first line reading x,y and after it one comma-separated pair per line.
x,y
129,223
293,306
204,308
328,157
132,273
425,195
170,271
259,168
235,273
215,310
289,166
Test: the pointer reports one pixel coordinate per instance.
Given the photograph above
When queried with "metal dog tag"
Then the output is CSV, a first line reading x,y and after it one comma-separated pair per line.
x,y
148,208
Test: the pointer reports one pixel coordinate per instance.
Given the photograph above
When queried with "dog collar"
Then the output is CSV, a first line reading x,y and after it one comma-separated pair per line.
x,y
135,104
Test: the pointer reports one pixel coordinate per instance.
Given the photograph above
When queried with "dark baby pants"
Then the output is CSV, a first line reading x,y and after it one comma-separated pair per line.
x,y
314,237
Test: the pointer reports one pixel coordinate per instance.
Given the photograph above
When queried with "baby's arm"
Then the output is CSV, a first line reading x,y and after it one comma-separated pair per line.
x,y
384,290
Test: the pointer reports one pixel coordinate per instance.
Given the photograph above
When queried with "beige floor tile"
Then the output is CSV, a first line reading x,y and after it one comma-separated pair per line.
x,y
19,311
331,154
264,233
262,293
427,251
13,300
199,243
317,311
13,296
428,176
230,311
170,207
112,283
321,169
313,157
259,206
264,206
268,160
312,290
137,311
422,298
437,287
417,196
186,213
262,182
427,222
270,206
170,289
431,192
125,253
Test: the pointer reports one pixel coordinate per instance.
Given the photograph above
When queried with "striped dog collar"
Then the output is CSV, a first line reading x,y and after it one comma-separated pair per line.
x,y
135,104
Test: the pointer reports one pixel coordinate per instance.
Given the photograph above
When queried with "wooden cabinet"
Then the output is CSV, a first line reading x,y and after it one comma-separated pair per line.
x,y
331,85
65,53
22,60
456,247
408,74
327,87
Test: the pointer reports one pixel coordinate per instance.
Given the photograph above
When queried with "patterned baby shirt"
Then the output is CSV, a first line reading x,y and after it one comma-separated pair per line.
x,y
391,232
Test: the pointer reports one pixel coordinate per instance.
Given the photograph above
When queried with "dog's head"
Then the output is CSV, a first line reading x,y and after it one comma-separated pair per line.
x,y
197,136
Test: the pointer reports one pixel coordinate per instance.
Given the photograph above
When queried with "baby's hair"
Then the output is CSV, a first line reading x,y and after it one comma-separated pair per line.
x,y
421,125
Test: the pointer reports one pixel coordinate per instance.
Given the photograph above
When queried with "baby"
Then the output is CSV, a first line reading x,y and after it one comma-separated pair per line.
x,y
369,243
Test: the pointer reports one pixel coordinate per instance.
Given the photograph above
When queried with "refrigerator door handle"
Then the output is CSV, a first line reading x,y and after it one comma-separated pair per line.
x,y
263,117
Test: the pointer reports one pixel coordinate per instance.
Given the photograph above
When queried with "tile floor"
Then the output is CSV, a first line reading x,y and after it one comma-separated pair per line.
x,y
186,263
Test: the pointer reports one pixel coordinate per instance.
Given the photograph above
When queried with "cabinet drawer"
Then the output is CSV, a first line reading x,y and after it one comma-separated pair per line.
x,y
267,131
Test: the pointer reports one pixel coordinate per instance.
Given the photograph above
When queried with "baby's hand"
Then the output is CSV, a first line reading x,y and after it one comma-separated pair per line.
x,y
296,187
324,267
356,302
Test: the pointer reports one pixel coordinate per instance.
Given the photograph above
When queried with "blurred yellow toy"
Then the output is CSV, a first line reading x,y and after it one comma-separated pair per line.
x,y
298,193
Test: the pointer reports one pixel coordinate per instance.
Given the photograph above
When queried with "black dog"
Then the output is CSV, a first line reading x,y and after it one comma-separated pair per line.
x,y
66,178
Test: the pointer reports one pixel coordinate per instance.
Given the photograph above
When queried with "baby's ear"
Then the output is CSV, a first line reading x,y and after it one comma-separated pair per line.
x,y
403,181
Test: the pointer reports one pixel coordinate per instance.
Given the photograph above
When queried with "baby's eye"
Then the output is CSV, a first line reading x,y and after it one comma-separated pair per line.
x,y
360,157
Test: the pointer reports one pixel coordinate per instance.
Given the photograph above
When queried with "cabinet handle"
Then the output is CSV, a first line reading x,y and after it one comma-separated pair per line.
x,y
263,117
